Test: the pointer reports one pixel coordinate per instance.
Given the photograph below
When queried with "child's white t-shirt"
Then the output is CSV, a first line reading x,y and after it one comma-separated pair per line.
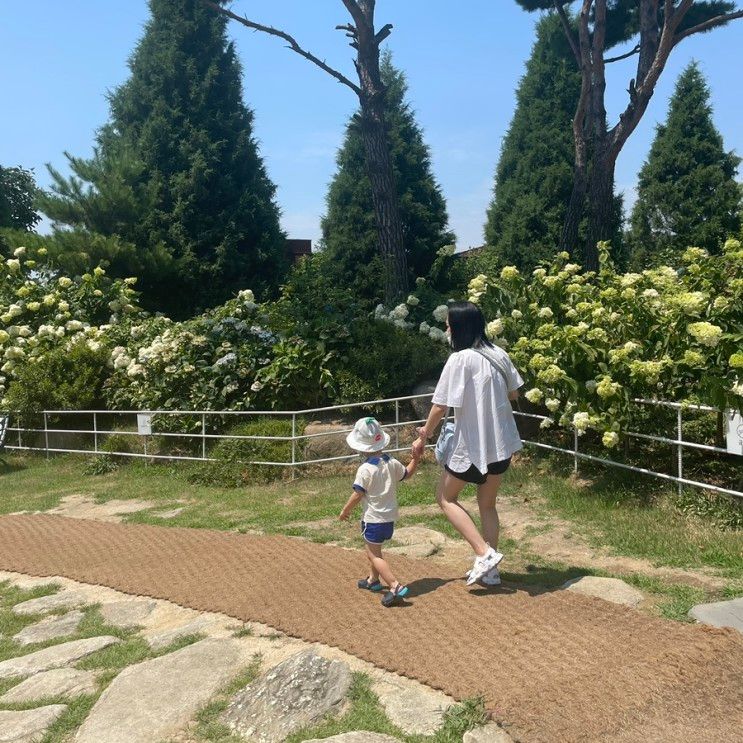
x,y
377,480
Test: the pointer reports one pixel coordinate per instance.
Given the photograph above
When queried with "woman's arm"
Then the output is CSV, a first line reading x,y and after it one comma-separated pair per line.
x,y
426,430
513,395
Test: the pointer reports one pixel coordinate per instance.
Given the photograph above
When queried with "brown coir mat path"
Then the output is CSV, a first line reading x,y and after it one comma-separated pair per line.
x,y
554,667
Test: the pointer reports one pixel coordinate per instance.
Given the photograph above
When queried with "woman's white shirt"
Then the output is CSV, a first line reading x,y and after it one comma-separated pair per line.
x,y
485,430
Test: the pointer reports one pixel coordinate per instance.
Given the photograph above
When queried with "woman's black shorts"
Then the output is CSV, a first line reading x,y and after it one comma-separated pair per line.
x,y
476,477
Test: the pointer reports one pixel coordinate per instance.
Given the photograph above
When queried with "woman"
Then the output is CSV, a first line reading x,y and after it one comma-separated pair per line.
x,y
478,381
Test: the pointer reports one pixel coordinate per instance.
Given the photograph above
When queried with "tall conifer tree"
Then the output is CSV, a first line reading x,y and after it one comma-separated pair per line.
x,y
534,176
177,169
687,194
349,230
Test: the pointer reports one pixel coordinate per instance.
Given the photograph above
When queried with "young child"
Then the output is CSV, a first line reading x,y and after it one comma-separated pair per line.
x,y
375,487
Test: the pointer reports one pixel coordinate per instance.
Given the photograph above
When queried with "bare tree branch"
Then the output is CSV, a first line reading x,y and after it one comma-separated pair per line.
x,y
383,33
293,45
568,31
708,24
630,53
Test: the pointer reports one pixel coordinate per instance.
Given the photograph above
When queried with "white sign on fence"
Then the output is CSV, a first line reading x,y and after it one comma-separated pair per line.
x,y
144,424
734,425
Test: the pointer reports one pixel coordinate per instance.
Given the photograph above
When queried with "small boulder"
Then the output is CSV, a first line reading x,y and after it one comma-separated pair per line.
x,y
609,589
298,692
328,440
414,708
422,405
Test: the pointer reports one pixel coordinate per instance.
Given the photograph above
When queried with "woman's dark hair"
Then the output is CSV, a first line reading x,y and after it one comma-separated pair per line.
x,y
467,326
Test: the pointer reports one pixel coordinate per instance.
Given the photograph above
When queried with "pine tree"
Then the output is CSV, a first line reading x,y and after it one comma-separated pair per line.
x,y
534,177
687,194
177,170
349,229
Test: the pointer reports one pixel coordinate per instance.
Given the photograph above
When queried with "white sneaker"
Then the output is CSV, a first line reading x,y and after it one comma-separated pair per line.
x,y
483,564
491,578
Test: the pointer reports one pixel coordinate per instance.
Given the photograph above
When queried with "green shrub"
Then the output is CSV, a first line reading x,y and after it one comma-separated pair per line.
x,y
231,468
68,379
387,361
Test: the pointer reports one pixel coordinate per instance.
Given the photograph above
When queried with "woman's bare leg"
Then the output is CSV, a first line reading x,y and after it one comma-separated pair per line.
x,y
486,502
447,493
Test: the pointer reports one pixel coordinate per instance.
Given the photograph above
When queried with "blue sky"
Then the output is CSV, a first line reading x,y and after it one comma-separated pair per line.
x,y
463,62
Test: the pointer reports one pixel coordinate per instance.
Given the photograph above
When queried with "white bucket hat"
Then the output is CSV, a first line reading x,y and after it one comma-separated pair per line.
x,y
368,436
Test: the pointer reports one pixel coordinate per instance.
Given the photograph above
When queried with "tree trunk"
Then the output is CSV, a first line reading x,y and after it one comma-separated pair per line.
x,y
384,197
600,207
574,212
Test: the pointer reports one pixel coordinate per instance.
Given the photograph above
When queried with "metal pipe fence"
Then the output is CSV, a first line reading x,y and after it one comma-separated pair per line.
x,y
145,432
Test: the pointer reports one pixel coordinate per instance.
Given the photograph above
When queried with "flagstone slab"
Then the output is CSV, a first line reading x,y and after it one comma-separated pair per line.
x,y
127,613
30,725
357,736
610,589
68,682
490,733
720,613
50,628
54,657
414,708
155,699
61,600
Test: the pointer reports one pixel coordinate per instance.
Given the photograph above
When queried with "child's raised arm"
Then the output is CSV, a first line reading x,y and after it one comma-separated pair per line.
x,y
351,503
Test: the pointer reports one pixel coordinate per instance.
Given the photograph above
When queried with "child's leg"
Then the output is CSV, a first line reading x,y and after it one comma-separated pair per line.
x,y
379,565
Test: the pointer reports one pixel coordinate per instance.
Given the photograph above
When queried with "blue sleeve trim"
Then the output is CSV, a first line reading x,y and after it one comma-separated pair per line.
x,y
359,489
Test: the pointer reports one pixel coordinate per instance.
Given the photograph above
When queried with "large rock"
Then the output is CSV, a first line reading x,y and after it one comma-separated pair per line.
x,y
489,733
296,693
329,440
609,589
54,657
68,682
720,613
50,628
422,406
28,726
127,613
153,700
61,600
357,736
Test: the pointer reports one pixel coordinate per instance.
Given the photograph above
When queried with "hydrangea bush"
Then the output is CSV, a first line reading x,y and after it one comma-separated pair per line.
x,y
42,311
587,343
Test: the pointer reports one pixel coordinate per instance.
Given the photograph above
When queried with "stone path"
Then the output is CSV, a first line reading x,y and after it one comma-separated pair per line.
x,y
157,699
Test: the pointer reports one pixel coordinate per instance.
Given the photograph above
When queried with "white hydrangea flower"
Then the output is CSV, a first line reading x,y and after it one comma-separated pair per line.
x,y
553,404
412,300
706,333
534,395
581,422
424,328
546,423
517,314
440,313
13,264
610,439
546,313
494,328
65,282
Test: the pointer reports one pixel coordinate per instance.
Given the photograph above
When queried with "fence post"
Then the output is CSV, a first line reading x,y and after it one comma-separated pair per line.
x,y
294,444
397,424
46,436
203,435
679,450
575,452
95,432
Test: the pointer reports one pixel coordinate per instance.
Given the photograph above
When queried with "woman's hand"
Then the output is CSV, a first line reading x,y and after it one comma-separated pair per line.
x,y
421,433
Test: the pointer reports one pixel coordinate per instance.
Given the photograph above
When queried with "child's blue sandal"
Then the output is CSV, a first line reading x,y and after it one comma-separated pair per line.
x,y
374,586
392,597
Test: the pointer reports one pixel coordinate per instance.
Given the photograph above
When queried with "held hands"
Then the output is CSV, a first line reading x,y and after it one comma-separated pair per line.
x,y
418,448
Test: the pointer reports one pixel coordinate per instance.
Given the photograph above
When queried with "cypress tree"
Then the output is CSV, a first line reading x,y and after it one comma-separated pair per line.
x,y
534,176
177,170
349,229
687,194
